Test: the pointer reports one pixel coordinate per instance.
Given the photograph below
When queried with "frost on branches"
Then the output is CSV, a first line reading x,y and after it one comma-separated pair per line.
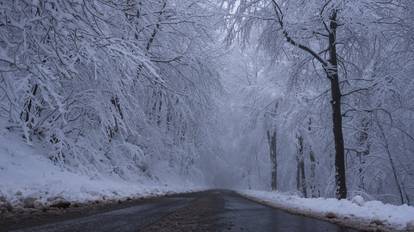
x,y
109,87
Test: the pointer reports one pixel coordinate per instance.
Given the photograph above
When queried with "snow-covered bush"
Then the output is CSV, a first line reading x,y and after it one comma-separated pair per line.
x,y
110,87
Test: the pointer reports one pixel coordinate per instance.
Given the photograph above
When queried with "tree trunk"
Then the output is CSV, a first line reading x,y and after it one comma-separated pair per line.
x,y
398,183
271,137
314,191
301,184
332,73
312,179
303,177
331,70
361,155
25,114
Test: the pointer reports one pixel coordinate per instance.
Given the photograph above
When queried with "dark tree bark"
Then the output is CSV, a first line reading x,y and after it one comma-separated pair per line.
x,y
332,73
300,168
271,137
313,189
361,155
314,192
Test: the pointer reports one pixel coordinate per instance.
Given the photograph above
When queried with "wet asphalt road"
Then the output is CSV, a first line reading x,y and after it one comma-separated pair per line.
x,y
197,212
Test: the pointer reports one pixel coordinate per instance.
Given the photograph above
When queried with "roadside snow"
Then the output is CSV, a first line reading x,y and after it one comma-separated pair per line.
x,y
356,212
28,179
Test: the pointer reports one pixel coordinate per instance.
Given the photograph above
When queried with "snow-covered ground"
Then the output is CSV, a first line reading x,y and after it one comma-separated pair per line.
x,y
28,179
371,215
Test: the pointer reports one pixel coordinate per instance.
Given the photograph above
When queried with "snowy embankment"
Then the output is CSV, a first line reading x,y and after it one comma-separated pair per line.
x,y
29,181
356,213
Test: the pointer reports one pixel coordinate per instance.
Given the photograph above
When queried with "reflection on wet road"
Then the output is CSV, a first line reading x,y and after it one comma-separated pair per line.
x,y
243,215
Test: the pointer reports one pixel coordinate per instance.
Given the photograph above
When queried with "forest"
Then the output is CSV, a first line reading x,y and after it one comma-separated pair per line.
x,y
308,97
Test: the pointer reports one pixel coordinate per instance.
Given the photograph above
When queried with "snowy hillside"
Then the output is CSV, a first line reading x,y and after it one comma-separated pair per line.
x,y
27,174
98,100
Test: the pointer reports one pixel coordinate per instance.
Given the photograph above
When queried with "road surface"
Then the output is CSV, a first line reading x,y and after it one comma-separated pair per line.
x,y
197,212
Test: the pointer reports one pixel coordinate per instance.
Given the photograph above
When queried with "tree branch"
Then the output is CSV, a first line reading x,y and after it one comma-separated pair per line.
x,y
290,40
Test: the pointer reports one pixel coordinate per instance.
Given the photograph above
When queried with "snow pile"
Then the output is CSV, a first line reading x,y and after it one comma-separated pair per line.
x,y
28,179
356,212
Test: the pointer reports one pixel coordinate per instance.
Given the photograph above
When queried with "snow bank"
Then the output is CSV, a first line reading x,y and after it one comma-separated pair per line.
x,y
28,178
371,215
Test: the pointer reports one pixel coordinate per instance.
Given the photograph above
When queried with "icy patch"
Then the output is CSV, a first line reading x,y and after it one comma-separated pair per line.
x,y
355,212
